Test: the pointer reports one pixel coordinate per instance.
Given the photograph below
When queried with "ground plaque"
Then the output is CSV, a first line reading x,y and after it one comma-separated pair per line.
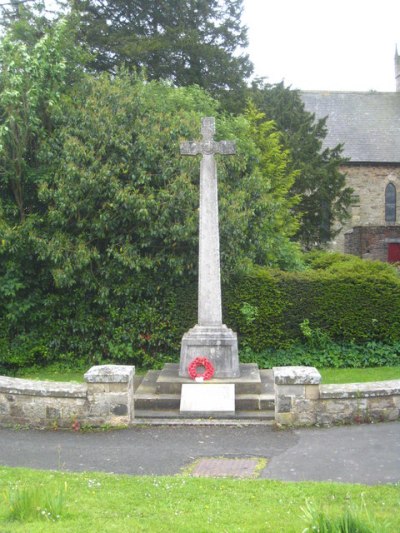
x,y
209,337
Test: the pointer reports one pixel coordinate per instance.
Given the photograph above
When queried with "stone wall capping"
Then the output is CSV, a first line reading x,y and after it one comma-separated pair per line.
x,y
296,375
31,387
110,374
361,390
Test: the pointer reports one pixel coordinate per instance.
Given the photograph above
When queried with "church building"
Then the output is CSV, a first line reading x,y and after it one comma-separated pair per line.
x,y
368,125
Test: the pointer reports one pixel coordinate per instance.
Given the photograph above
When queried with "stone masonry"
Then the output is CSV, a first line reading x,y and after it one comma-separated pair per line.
x,y
301,400
371,242
368,210
105,398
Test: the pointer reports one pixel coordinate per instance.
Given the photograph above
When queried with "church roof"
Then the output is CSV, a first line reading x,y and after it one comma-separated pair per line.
x,y
368,124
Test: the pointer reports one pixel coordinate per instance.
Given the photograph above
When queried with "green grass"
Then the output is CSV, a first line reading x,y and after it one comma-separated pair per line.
x,y
53,373
96,502
359,375
329,375
34,502
352,520
57,373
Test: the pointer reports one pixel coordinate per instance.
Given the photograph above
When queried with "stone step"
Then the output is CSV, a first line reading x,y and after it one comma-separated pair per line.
x,y
255,402
157,398
157,401
243,402
156,381
144,414
169,382
235,422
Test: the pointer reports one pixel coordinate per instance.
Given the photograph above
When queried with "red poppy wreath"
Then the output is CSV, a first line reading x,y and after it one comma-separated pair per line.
x,y
201,362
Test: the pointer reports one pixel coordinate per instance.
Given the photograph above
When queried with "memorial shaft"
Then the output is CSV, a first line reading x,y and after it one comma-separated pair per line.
x,y
209,304
210,337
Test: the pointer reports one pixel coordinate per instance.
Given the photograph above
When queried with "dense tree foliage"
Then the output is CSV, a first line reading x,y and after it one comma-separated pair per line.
x,y
98,210
184,41
319,182
28,20
122,193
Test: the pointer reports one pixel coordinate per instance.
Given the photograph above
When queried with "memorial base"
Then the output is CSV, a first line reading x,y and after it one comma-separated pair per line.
x,y
217,343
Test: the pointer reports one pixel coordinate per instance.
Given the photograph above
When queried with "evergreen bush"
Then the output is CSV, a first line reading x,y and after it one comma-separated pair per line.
x,y
351,305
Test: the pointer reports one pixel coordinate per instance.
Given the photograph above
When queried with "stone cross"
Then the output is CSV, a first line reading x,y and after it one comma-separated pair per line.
x,y
209,303
210,337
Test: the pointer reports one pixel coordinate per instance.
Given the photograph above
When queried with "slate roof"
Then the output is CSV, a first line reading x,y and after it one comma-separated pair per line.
x,y
368,124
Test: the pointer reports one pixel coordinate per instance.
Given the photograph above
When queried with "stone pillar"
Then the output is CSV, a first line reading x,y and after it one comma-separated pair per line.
x,y
110,394
209,337
296,393
209,304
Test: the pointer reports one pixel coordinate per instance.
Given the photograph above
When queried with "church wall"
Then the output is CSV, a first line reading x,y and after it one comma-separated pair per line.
x,y
369,182
371,242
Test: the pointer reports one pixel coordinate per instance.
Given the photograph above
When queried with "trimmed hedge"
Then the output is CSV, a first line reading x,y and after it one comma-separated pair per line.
x,y
330,355
312,314
267,307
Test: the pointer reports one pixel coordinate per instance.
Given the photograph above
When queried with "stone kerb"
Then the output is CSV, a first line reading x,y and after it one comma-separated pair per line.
x,y
296,391
110,394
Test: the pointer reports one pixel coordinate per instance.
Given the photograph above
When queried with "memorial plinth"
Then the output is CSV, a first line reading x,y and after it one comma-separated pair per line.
x,y
217,343
209,337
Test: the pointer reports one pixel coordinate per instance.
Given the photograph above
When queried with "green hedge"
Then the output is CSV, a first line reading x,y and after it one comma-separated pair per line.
x,y
329,355
305,313
266,307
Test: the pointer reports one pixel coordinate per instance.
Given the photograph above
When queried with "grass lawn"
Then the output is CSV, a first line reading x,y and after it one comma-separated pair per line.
x,y
95,502
53,373
329,375
359,375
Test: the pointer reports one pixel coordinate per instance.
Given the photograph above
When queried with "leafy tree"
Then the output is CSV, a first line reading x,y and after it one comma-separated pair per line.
x,y
98,211
32,79
272,203
114,238
27,21
319,182
30,83
122,200
187,42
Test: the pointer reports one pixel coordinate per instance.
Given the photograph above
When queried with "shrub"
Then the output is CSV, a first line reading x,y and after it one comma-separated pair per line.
x,y
333,355
353,305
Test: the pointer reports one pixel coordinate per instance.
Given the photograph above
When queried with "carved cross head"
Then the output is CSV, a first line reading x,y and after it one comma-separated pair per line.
x,y
207,146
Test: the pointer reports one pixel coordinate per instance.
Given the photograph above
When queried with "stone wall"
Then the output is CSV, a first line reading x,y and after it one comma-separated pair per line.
x,y
301,400
371,242
368,182
105,398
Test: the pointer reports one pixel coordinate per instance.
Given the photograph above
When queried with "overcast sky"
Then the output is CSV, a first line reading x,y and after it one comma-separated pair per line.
x,y
343,45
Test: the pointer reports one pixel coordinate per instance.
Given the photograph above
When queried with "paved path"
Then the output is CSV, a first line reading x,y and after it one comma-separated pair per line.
x,y
358,454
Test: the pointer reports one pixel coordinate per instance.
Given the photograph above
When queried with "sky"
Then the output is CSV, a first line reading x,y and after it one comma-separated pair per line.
x,y
337,45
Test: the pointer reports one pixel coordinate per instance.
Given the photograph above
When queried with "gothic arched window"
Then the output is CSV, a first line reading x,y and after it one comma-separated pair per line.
x,y
390,203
